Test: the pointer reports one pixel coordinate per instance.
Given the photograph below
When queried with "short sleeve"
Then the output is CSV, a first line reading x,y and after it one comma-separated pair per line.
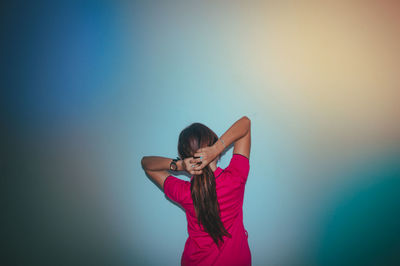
x,y
176,189
239,166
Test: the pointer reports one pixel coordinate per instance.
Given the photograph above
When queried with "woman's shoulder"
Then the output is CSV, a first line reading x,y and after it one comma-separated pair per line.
x,y
240,156
176,188
239,166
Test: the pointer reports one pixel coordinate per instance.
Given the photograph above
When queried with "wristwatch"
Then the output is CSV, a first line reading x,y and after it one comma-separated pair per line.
x,y
173,166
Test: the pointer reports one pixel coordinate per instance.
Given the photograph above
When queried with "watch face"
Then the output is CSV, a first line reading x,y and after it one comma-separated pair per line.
x,y
173,166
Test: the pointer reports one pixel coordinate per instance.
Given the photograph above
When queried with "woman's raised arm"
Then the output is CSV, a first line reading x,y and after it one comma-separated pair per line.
x,y
239,134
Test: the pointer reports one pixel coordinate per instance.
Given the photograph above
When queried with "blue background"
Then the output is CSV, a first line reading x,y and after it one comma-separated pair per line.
x,y
90,88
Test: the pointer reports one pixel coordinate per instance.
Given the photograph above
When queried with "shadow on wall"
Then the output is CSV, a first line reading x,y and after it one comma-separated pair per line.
x,y
362,226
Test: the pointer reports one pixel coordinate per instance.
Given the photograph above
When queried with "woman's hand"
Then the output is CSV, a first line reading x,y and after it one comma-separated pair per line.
x,y
208,155
189,166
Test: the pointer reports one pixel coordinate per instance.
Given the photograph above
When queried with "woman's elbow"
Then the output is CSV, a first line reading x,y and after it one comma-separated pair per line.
x,y
248,121
143,162
246,118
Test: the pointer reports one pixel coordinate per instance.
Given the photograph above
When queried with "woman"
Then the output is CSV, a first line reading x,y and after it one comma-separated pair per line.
x,y
213,199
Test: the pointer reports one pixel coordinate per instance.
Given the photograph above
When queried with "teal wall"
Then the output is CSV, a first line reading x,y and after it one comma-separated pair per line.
x,y
91,88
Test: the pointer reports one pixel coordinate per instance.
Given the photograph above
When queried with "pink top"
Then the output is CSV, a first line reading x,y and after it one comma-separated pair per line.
x,y
200,249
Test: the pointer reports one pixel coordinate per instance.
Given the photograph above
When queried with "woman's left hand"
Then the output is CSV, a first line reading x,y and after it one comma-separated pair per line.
x,y
189,164
206,155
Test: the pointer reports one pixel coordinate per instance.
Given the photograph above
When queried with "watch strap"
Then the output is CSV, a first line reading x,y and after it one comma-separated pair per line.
x,y
173,162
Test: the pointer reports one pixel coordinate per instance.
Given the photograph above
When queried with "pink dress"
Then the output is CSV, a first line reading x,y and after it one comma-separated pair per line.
x,y
200,249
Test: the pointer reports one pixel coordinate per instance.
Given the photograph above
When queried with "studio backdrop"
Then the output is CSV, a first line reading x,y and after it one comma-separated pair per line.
x,y
90,88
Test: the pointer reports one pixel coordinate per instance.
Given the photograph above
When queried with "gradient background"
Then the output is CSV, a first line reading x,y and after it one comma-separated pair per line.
x,y
89,88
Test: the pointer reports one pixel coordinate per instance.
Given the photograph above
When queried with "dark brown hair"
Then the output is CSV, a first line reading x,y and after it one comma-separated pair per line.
x,y
202,186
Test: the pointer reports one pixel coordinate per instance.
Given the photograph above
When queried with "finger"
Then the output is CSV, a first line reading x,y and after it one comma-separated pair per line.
x,y
199,172
198,154
199,167
188,159
195,161
200,150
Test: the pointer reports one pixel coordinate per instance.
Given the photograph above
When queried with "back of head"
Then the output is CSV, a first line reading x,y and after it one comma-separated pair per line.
x,y
203,188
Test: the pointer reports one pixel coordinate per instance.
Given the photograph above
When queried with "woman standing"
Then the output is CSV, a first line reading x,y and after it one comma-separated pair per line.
x,y
213,199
